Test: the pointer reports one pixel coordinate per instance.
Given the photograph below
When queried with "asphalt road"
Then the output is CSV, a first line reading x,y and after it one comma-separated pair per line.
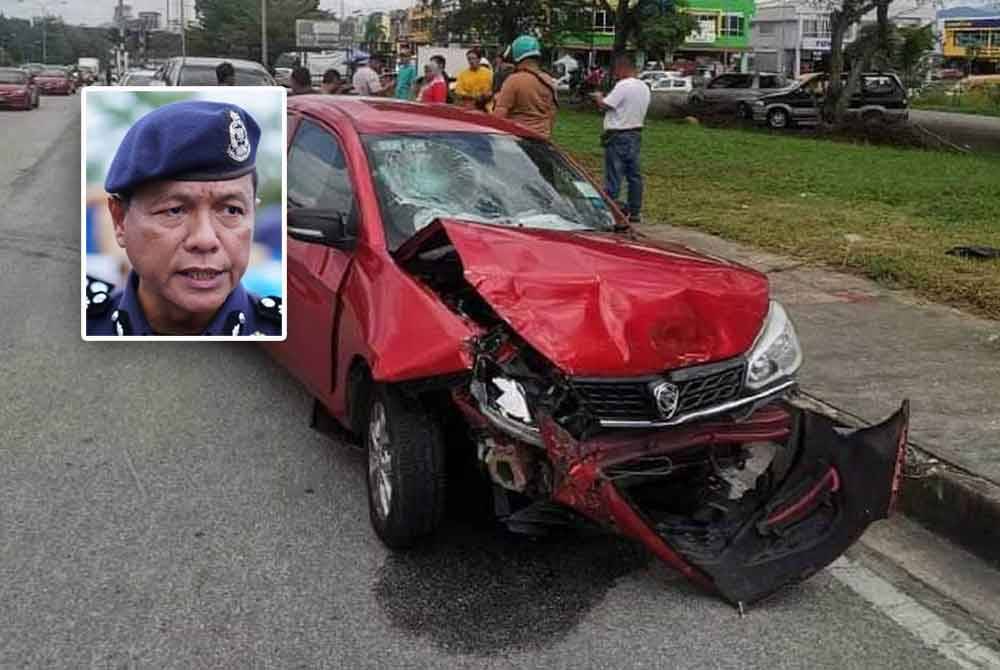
x,y
971,131
165,505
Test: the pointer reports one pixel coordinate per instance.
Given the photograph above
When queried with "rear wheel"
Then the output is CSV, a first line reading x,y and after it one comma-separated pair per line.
x,y
406,468
778,118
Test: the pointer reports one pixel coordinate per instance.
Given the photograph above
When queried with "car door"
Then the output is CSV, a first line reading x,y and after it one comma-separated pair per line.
x,y
318,177
882,91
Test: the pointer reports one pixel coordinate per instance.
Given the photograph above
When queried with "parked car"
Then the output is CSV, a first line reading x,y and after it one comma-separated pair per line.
x,y
880,96
55,80
731,92
139,77
17,89
673,84
652,76
201,72
460,290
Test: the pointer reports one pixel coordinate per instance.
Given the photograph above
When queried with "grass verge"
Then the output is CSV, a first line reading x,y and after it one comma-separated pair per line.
x,y
810,198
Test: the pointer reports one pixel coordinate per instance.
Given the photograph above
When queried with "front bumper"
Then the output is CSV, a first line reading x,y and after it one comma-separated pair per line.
x,y
832,485
834,488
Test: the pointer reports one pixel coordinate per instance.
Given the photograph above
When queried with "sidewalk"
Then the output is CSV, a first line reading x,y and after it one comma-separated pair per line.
x,y
867,348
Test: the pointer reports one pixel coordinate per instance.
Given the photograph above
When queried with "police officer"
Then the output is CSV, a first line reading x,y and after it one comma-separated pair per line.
x,y
183,195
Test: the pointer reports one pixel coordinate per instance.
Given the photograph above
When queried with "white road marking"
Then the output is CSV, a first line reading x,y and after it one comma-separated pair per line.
x,y
919,621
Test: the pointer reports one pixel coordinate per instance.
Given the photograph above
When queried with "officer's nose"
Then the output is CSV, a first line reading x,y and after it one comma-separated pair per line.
x,y
201,237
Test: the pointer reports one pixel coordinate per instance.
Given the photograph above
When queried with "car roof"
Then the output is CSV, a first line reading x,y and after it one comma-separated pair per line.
x,y
387,115
212,62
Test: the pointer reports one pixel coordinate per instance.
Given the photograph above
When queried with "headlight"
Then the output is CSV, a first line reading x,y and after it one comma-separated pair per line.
x,y
503,401
776,353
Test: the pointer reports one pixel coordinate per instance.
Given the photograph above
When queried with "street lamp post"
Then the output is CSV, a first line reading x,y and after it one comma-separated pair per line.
x,y
263,32
45,20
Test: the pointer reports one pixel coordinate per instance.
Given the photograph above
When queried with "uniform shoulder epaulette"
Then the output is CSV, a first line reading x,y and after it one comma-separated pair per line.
x,y
269,307
98,297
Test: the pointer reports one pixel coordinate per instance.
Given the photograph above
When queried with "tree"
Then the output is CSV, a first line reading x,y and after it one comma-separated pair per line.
x,y
917,42
232,27
374,32
659,26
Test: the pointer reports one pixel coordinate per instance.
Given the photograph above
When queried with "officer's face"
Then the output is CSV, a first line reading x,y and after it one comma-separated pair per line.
x,y
188,241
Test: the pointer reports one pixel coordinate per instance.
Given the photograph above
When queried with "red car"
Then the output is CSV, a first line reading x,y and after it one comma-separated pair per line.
x,y
55,81
459,290
17,89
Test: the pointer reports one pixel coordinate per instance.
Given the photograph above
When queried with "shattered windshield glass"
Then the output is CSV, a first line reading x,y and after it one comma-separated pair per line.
x,y
481,177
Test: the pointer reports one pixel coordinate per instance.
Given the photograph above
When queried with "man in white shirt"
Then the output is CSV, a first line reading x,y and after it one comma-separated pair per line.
x,y
366,80
624,114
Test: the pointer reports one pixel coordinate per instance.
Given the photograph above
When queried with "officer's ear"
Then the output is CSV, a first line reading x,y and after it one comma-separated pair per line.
x,y
118,207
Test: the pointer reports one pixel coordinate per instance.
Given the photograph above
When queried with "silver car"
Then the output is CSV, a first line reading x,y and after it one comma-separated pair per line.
x,y
736,91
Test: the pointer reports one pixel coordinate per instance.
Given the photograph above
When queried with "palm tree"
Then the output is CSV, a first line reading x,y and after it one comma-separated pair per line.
x,y
374,33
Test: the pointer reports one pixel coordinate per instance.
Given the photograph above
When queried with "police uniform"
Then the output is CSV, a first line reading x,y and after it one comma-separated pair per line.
x,y
182,141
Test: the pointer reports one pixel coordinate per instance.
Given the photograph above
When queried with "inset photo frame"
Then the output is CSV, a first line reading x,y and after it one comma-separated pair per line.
x,y
183,213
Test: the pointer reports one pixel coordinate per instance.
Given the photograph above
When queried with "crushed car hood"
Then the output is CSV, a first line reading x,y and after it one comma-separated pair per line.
x,y
606,305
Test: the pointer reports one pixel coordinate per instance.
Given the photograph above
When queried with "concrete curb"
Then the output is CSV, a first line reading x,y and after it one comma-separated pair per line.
x,y
946,499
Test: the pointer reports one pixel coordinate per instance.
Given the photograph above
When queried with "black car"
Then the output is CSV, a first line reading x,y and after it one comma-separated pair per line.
x,y
880,96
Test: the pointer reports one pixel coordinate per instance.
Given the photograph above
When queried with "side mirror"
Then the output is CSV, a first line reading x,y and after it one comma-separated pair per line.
x,y
321,226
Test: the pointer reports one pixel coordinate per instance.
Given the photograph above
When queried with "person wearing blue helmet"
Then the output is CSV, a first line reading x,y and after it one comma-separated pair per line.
x,y
182,201
528,96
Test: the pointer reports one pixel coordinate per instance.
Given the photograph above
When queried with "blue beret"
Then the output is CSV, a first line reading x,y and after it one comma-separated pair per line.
x,y
186,141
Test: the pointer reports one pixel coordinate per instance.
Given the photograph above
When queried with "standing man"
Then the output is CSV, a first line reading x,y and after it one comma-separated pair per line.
x,y
624,115
528,96
301,81
332,82
475,83
405,78
366,80
183,187
225,74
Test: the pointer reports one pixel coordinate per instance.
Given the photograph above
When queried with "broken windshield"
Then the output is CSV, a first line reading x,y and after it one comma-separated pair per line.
x,y
481,177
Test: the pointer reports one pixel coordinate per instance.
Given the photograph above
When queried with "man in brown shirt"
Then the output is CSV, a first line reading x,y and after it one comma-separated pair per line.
x,y
528,96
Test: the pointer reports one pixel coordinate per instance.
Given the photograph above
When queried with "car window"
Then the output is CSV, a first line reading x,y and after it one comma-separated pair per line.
x,y
8,77
204,75
741,81
52,73
722,81
479,177
881,85
317,171
772,81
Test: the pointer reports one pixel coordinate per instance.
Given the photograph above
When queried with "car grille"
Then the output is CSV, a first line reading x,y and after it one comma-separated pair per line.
x,y
632,400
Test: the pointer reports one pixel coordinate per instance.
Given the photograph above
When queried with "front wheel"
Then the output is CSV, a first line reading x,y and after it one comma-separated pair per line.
x,y
778,118
406,469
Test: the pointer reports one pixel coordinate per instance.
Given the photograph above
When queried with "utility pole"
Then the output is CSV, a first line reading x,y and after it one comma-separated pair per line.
x,y
121,37
263,32
183,33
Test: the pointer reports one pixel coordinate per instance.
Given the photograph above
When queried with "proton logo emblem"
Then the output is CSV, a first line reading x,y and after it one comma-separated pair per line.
x,y
666,396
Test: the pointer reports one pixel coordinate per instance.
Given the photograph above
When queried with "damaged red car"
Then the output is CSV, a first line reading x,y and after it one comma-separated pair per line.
x,y
460,289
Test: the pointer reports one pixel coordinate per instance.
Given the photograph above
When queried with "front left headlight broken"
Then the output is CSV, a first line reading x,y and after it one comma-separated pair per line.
x,y
776,353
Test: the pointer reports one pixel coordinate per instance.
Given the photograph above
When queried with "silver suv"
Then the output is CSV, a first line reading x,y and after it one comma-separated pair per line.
x,y
193,71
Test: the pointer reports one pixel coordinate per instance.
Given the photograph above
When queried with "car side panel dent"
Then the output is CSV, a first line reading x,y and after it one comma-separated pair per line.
x,y
401,328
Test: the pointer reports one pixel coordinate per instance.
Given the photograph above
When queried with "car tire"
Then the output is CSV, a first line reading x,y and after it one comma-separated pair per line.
x,y
778,119
405,471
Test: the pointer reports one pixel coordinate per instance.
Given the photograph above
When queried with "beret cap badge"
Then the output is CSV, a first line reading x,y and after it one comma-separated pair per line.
x,y
239,143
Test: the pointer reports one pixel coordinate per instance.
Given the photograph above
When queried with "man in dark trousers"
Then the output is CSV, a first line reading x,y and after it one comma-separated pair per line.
x,y
624,115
